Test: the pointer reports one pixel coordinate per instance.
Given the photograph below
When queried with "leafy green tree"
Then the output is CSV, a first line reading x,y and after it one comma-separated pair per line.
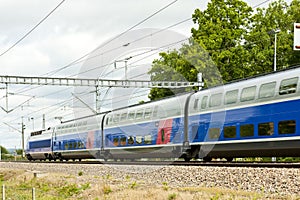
x,y
4,150
233,39
19,151
261,39
222,28
183,65
165,69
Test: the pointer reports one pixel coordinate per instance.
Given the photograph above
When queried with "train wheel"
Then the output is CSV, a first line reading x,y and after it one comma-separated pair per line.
x,y
207,159
187,159
229,159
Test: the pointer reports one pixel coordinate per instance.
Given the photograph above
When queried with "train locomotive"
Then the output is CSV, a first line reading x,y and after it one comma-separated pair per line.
x,y
255,117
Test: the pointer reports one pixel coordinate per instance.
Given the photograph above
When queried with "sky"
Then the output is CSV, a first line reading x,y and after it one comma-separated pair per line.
x,y
74,29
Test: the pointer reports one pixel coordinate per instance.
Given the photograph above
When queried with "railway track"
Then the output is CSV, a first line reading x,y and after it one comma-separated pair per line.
x,y
175,163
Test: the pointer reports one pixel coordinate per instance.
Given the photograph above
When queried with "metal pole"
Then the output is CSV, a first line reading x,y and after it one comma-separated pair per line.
x,y
6,97
97,100
44,122
275,51
32,119
125,70
23,151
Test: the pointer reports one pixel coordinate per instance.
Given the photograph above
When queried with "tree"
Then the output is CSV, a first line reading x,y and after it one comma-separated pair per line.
x,y
233,39
222,28
170,67
183,65
4,150
261,39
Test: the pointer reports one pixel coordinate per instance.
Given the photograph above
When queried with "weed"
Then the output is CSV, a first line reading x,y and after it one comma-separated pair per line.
x,y
216,197
107,176
80,173
127,177
69,190
133,185
172,196
85,186
165,186
72,189
107,189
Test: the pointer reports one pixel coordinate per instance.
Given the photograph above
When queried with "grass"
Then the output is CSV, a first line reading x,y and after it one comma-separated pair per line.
x,y
53,186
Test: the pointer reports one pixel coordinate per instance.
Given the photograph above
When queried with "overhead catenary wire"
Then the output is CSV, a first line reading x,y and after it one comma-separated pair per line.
x,y
111,63
81,59
31,30
118,36
116,48
266,1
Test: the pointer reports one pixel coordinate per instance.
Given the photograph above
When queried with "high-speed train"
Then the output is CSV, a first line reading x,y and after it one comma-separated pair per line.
x,y
255,117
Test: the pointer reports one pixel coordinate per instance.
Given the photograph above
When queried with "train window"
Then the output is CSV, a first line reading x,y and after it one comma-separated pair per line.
x,y
123,141
231,96
139,114
214,133
267,90
123,117
266,128
215,100
130,140
204,102
116,118
139,139
287,127
116,141
147,113
229,132
148,139
80,145
131,115
247,130
288,86
196,104
248,93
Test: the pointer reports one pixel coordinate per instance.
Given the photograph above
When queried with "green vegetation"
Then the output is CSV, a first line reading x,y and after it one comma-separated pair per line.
x,y
172,196
165,186
231,41
80,173
19,185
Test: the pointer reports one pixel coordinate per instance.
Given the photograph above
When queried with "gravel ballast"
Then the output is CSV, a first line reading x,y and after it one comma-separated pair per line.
x,y
279,181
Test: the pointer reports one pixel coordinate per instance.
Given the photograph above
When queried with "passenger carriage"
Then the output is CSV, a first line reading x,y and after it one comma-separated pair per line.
x,y
253,117
39,145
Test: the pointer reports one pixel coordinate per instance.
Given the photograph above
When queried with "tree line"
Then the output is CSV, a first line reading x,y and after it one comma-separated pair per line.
x,y
230,41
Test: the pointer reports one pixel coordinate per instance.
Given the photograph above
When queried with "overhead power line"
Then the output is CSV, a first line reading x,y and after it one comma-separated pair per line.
x,y
261,3
78,60
81,59
31,30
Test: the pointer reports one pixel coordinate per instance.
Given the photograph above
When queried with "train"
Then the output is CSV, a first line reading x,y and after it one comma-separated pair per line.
x,y
254,117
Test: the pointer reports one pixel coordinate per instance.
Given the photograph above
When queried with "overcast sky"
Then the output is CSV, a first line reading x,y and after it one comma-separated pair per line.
x,y
74,29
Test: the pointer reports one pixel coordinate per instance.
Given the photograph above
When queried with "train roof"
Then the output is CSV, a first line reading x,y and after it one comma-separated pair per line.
x,y
289,71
